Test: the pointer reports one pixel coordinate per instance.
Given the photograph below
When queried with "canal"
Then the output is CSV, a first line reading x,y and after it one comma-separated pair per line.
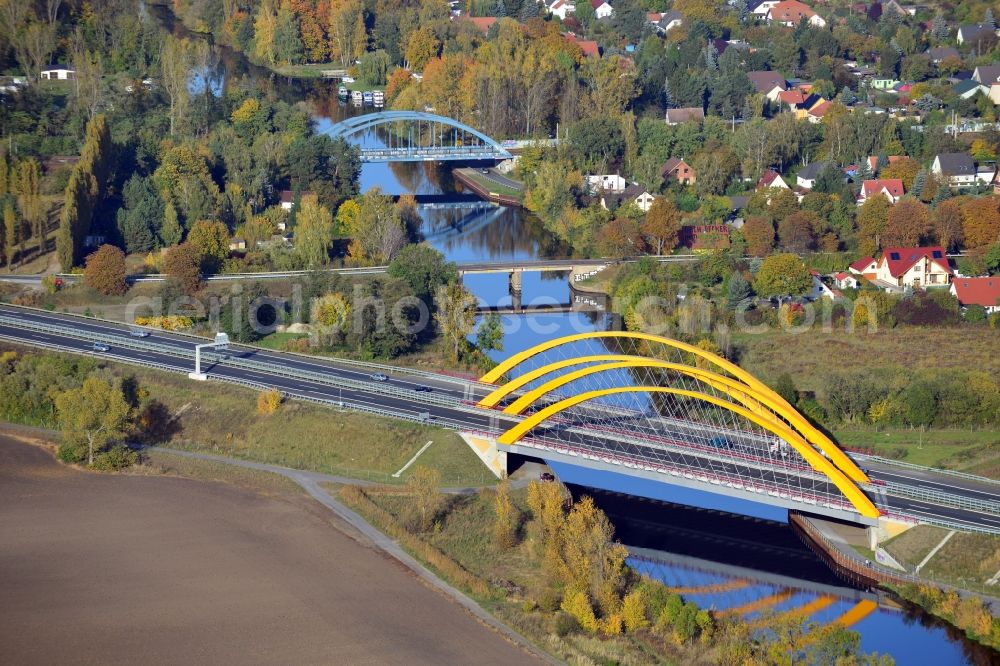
x,y
748,566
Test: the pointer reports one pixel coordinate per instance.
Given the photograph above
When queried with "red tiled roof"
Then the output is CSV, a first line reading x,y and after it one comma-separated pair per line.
x,y
769,177
983,291
483,23
841,275
902,259
893,185
820,109
792,97
589,47
862,264
597,3
791,11
890,159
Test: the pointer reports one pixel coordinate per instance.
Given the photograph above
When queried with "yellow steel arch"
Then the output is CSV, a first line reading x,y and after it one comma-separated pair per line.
x,y
502,391
821,464
734,389
838,457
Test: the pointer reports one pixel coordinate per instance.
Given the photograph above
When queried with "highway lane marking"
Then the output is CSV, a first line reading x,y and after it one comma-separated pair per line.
x,y
413,459
953,487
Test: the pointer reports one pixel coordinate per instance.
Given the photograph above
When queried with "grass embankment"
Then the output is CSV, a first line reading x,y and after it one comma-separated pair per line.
x,y
966,560
223,419
460,542
814,355
485,183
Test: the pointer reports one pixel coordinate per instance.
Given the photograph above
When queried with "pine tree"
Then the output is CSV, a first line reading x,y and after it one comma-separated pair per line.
x,y
939,27
919,183
668,96
739,291
711,56
847,96
529,10
989,20
499,9
943,192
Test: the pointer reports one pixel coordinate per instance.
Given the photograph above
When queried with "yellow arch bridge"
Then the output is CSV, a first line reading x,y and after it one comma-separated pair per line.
x,y
681,378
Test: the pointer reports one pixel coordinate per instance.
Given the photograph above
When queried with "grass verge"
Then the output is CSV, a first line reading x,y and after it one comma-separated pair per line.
x,y
967,560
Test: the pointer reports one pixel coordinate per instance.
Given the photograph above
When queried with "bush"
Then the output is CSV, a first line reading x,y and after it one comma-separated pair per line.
x,y
72,453
564,624
118,457
268,401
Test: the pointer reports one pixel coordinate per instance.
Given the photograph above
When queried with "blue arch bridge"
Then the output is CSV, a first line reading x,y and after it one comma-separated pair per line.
x,y
417,136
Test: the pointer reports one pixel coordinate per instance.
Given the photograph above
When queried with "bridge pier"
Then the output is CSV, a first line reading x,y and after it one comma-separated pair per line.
x,y
515,290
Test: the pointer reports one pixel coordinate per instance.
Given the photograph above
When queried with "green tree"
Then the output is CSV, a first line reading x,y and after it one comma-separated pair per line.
x,y
171,231
313,231
236,317
94,414
425,487
783,275
10,226
489,337
288,48
140,215
739,291
83,192
29,199
785,387
374,67
920,404
424,269
331,315
456,315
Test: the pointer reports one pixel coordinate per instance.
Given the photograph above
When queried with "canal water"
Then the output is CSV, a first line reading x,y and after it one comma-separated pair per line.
x,y
745,565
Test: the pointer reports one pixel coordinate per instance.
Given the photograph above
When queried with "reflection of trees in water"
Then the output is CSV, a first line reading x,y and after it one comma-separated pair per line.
x,y
512,232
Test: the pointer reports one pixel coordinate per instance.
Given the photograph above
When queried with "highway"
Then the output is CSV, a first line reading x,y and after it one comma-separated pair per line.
x,y
956,500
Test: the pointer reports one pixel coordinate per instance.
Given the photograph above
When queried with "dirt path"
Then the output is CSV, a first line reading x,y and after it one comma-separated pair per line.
x,y
115,569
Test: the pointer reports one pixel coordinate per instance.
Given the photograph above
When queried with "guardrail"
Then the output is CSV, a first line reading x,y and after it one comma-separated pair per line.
x,y
939,497
922,468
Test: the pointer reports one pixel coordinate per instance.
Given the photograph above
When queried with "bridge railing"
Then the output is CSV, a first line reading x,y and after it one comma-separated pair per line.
x,y
921,468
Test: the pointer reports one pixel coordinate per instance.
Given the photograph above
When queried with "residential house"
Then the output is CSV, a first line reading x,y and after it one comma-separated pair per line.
x,y
970,88
562,8
889,159
866,267
902,10
606,183
769,84
634,193
237,244
986,74
958,168
482,23
807,175
772,178
667,21
589,47
791,98
602,9
939,53
676,170
58,74
761,9
883,83
791,12
820,288
994,93
288,198
914,267
890,188
983,291
845,280
678,116
985,174
975,33
811,104
818,111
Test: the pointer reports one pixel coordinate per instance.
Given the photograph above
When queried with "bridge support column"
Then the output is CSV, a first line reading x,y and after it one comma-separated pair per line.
x,y
515,290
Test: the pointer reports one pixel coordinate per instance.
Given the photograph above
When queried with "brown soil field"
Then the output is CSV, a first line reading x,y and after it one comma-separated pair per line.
x,y
104,568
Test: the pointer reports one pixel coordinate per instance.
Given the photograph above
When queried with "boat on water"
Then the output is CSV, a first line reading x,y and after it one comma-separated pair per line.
x,y
342,91
378,98
368,97
357,97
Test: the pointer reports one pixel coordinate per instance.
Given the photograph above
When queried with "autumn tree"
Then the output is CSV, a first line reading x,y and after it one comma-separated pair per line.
x,y
176,61
268,401
456,315
330,316
11,226
313,231
871,224
905,169
182,263
83,192
906,223
422,45
980,223
94,414
425,487
782,275
620,238
947,224
504,517
661,226
377,234
795,232
27,185
105,271
211,239
759,235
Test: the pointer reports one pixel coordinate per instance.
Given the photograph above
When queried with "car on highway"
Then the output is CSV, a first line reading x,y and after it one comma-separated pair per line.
x,y
379,377
486,171
138,333
424,389
101,347
721,443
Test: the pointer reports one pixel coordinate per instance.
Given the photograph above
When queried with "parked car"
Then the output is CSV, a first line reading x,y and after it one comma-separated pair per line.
x,y
101,347
379,377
